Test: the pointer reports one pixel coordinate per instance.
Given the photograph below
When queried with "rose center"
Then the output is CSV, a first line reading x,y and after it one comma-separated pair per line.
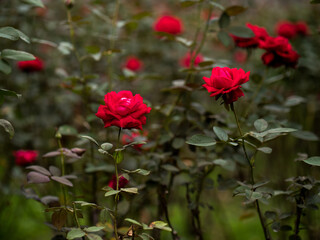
x,y
123,106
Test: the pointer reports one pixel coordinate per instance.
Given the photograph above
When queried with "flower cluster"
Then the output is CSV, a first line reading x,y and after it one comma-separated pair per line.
x,y
290,30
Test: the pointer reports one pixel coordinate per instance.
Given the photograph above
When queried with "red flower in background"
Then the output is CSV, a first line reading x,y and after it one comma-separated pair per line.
x,y
122,182
133,64
168,24
260,34
35,65
123,110
134,136
302,28
226,82
279,52
286,29
240,56
186,60
25,157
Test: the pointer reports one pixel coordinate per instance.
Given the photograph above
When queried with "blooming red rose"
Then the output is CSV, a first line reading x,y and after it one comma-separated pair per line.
x,y
302,28
168,24
133,64
25,157
35,65
260,34
286,29
122,182
123,110
279,52
186,60
135,136
226,82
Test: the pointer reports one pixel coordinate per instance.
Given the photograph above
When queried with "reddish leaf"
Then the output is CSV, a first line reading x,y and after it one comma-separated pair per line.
x,y
62,180
39,169
35,177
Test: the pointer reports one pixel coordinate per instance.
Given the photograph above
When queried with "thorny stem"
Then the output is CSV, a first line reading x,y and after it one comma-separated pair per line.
x,y
62,170
251,164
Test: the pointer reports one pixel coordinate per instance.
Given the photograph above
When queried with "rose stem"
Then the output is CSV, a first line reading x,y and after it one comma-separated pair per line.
x,y
58,136
265,230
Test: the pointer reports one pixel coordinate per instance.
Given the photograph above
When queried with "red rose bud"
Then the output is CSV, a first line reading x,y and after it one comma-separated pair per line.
x,y
122,182
279,52
123,110
186,60
134,136
260,34
29,66
168,24
25,157
286,29
133,64
69,3
226,82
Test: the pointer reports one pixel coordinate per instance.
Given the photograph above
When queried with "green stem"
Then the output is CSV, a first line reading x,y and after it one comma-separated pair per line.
x,y
62,170
75,215
251,164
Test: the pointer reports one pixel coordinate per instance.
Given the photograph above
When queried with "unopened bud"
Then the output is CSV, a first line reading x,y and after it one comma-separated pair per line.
x,y
69,3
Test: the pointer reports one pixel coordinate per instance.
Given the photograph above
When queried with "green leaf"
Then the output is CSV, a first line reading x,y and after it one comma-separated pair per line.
x,y
138,171
188,3
226,164
133,221
241,31
266,150
111,192
277,130
170,168
305,135
4,67
224,38
224,20
75,233
160,225
118,156
13,34
16,55
5,92
90,139
235,10
67,130
34,3
7,127
201,141
185,42
93,229
65,48
129,190
314,161
94,237
106,146
217,5
221,134
178,143
260,125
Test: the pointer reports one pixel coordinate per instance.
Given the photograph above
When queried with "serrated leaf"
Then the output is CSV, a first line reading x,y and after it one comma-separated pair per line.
x,y
201,141
314,161
241,31
260,125
75,233
34,3
7,127
16,55
221,134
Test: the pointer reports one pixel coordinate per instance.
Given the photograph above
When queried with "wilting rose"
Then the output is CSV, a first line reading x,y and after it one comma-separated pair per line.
x,y
133,64
123,110
286,29
122,182
186,60
168,24
134,136
279,52
29,66
260,34
25,157
226,83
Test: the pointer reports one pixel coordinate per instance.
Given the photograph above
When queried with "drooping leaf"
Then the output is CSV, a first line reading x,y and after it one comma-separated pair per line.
x,y
201,141
75,233
16,55
7,127
13,34
90,139
314,161
221,134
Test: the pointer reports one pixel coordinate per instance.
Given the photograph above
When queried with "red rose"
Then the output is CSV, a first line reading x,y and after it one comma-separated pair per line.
x,y
122,182
260,34
31,66
25,157
123,110
279,52
240,56
186,60
286,29
302,28
168,24
134,136
226,82
133,64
